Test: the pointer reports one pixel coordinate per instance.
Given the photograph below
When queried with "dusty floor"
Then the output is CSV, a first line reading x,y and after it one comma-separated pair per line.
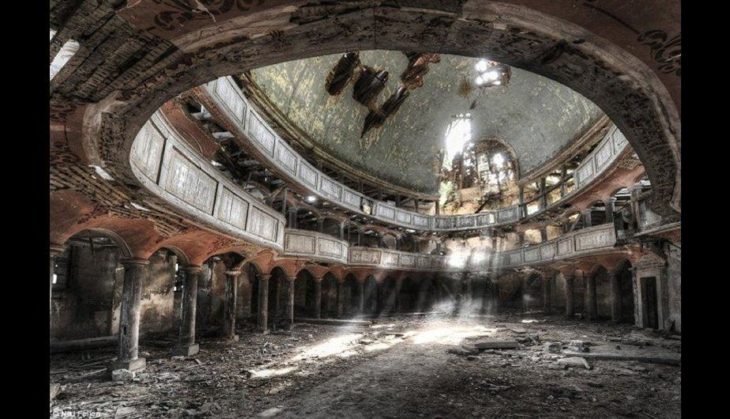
x,y
397,367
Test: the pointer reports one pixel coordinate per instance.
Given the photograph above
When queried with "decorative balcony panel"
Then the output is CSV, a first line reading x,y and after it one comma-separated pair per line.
x,y
190,184
290,163
147,151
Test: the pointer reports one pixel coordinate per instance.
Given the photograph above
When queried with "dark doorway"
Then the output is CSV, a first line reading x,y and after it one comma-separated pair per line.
x,y
651,308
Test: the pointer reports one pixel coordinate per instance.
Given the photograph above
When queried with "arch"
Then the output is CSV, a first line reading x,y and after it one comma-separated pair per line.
x,y
253,274
123,246
330,295
388,295
604,301
370,295
351,294
532,291
87,284
624,281
304,294
277,297
182,258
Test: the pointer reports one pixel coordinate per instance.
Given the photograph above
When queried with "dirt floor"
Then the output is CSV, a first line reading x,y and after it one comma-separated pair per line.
x,y
399,367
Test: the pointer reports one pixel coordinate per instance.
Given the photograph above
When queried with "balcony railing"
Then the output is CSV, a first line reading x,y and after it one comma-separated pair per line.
x,y
579,243
277,154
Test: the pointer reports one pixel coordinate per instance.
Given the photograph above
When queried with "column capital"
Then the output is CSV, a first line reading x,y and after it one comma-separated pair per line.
x,y
318,279
233,273
134,261
266,276
57,249
291,278
193,268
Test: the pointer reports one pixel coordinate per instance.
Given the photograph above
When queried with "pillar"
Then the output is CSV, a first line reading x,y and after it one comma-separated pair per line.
x,y
543,194
609,203
615,297
135,273
229,305
340,299
361,297
55,252
317,298
591,308
292,217
290,301
569,294
563,179
543,234
263,317
342,231
186,337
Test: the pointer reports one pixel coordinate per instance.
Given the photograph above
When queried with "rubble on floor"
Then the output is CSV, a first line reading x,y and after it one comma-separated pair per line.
x,y
397,367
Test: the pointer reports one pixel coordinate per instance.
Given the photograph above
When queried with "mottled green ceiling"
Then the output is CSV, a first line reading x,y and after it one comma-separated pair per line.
x,y
536,116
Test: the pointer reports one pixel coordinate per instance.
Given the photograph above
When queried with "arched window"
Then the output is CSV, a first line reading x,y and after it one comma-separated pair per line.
x,y
497,169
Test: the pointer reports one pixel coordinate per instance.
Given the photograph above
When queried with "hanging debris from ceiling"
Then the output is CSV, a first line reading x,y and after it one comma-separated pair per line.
x,y
412,76
376,117
341,74
371,82
369,85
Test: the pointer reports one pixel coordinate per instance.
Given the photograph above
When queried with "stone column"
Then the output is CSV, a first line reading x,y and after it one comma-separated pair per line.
x,y
340,299
317,298
55,252
136,271
543,234
543,194
569,294
230,305
563,178
292,217
290,301
609,203
263,317
591,310
615,297
361,297
547,295
186,338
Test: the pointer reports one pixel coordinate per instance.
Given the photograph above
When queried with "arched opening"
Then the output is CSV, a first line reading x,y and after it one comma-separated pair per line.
x,y
604,299
371,295
625,283
408,295
254,278
304,294
277,298
329,295
387,296
351,295
331,226
87,287
532,293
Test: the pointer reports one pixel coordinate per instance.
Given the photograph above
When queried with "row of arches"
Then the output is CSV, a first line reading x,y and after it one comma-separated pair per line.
x,y
594,291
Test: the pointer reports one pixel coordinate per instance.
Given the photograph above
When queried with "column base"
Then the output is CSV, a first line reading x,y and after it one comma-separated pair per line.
x,y
133,365
186,350
234,338
55,390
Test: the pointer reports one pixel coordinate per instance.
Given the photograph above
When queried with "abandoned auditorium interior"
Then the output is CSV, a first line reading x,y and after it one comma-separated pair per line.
x,y
364,209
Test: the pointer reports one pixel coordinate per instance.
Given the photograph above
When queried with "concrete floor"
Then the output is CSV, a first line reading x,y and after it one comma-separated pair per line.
x,y
396,367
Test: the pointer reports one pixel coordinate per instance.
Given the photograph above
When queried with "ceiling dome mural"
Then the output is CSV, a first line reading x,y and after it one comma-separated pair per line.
x,y
536,116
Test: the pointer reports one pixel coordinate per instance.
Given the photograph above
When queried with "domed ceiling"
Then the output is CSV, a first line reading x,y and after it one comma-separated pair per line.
x,y
536,116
